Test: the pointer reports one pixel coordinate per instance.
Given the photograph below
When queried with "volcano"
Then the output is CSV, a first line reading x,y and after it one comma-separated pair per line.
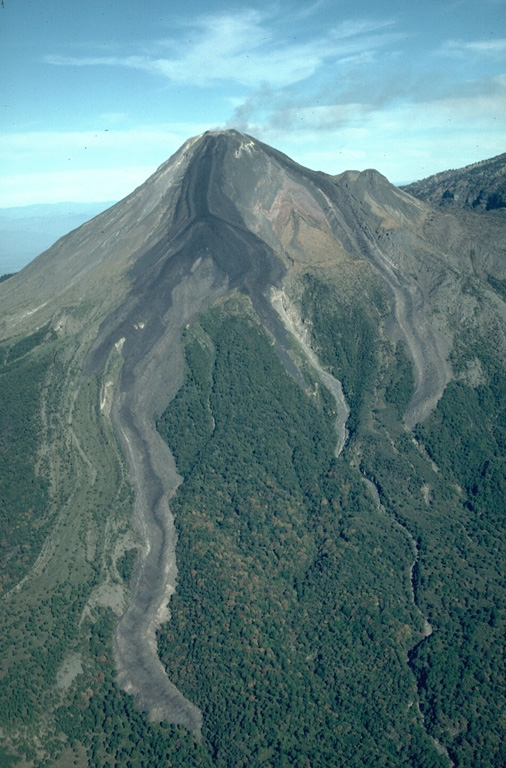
x,y
253,445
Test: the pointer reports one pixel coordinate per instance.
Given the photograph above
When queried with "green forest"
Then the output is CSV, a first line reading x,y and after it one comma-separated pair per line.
x,y
298,625
23,491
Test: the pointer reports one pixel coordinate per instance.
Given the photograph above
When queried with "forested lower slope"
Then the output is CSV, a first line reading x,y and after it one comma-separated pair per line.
x,y
302,603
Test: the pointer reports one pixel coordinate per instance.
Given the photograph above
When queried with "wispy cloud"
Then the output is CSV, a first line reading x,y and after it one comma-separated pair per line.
x,y
248,47
366,92
405,139
489,48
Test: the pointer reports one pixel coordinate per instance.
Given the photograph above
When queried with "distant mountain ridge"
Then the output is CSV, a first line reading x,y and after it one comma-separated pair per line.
x,y
480,186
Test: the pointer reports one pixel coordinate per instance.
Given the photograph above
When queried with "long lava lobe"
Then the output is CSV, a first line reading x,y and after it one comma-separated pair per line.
x,y
152,379
206,252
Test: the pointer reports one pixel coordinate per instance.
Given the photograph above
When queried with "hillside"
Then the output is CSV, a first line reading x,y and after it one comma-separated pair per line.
x,y
252,451
480,186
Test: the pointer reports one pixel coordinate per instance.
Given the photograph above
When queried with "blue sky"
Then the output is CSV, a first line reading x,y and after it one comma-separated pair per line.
x,y
96,95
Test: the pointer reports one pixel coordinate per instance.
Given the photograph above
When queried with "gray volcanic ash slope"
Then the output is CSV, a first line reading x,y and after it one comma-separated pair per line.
x,y
104,312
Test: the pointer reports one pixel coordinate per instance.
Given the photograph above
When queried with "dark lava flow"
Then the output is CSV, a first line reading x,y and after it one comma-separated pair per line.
x,y
207,251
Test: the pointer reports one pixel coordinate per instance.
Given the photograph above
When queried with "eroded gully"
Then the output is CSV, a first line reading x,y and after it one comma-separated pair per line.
x,y
427,627
292,322
151,376
294,325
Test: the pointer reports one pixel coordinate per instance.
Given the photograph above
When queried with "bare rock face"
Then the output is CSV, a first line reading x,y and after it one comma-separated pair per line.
x,y
226,213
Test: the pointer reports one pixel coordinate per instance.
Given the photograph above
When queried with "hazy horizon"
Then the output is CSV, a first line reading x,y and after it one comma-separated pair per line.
x,y
27,231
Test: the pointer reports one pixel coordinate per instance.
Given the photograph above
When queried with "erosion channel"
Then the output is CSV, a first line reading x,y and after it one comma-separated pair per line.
x,y
427,630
